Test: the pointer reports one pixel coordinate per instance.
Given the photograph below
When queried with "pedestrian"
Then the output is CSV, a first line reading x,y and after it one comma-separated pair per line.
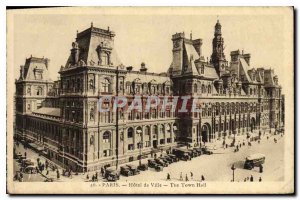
x,y
240,145
202,178
251,178
181,178
186,177
259,179
87,177
192,175
245,180
168,177
261,168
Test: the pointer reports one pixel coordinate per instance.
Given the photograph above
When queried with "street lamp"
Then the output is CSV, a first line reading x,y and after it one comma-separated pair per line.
x,y
233,168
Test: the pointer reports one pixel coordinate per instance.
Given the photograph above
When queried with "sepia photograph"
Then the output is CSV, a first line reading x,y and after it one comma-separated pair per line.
x,y
144,100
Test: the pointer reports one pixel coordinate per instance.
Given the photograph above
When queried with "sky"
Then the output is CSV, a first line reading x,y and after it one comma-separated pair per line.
x,y
147,38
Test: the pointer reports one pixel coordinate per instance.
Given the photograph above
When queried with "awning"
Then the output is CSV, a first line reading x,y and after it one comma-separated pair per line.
x,y
175,128
139,131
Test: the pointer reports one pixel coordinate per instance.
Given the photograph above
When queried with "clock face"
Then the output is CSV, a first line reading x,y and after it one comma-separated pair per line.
x,y
176,44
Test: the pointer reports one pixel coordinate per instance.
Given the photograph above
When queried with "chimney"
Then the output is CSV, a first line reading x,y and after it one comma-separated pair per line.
x,y
198,46
143,67
47,62
247,58
22,71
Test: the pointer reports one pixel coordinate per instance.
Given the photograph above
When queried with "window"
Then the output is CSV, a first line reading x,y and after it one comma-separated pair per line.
x,y
209,89
91,84
104,59
130,133
202,69
155,132
147,143
106,85
130,147
195,88
39,91
202,88
147,130
106,153
162,129
106,137
162,141
168,140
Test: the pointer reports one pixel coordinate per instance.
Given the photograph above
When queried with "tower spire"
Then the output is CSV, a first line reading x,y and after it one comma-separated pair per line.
x,y
218,57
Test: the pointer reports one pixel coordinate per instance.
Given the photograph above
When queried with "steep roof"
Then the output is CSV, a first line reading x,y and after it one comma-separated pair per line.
x,y
35,69
92,41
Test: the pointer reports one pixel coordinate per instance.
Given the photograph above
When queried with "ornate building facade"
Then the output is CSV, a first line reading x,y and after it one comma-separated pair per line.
x,y
62,116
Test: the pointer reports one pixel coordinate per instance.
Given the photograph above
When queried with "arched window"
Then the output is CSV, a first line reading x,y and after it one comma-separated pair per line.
x,y
147,130
130,133
209,89
203,88
195,88
155,132
162,129
39,91
106,137
250,91
106,85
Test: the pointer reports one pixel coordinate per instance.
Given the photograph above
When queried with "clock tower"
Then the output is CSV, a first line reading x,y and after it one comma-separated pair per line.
x,y
218,58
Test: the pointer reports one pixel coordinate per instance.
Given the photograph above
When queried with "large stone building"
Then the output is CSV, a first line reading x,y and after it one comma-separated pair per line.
x,y
62,116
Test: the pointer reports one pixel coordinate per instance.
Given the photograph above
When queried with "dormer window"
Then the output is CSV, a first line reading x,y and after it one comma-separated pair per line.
x,y
202,69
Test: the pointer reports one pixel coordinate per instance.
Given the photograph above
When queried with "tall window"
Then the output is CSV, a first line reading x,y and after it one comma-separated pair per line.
x,y
106,137
203,88
130,133
106,85
104,59
147,130
209,89
195,88
91,84
39,91
202,69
